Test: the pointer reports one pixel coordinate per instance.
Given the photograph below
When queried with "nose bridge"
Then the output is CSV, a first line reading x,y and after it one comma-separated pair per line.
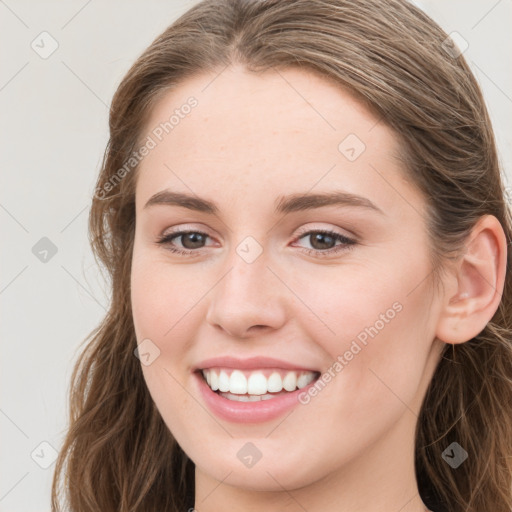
x,y
248,279
249,272
248,294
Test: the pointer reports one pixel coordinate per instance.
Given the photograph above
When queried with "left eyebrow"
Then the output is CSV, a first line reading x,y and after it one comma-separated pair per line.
x,y
300,202
283,204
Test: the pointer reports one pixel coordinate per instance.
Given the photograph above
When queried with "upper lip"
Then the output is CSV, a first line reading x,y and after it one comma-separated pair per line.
x,y
250,363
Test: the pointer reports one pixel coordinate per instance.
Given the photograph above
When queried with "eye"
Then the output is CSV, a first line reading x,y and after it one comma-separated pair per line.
x,y
190,241
323,242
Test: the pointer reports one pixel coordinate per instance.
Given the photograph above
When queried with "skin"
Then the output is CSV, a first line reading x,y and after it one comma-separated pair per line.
x,y
251,139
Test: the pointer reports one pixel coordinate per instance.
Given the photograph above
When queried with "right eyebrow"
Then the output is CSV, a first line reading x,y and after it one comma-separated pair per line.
x,y
167,197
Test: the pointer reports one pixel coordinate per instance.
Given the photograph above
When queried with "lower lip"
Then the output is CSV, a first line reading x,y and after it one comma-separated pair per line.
x,y
249,412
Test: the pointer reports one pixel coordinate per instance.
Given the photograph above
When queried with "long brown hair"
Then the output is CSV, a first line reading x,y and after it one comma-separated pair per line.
x,y
118,455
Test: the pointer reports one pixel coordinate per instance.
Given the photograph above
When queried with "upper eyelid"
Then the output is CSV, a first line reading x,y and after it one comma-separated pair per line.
x,y
345,233
301,230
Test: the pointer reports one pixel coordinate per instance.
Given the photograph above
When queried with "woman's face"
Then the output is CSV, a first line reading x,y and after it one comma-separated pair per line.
x,y
259,279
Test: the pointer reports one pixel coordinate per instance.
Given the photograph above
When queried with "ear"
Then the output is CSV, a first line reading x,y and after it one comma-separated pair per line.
x,y
476,285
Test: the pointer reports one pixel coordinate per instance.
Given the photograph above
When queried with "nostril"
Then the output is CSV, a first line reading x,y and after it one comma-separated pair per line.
x,y
258,327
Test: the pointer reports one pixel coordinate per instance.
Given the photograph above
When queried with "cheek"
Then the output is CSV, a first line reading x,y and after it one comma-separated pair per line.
x,y
379,332
162,298
163,309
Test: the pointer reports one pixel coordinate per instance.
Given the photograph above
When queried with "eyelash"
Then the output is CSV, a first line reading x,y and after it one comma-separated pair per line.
x,y
347,243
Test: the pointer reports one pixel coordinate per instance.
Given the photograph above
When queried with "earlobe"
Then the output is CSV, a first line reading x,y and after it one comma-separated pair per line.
x,y
479,276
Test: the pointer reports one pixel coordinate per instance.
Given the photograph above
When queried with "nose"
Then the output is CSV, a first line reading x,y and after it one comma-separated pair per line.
x,y
248,300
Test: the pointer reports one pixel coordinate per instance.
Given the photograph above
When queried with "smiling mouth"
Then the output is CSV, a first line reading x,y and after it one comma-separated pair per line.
x,y
256,385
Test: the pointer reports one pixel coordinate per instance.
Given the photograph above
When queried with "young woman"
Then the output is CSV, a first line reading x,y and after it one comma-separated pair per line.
x,y
303,217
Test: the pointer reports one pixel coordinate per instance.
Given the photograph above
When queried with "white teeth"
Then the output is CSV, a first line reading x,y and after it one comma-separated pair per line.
x,y
274,383
248,398
304,380
214,380
290,381
237,383
257,384
250,385
223,381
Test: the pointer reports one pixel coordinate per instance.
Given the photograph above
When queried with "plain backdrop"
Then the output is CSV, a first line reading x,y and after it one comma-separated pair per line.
x,y
54,126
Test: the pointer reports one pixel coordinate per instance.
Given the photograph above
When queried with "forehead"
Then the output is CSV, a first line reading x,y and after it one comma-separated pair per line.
x,y
256,104
286,129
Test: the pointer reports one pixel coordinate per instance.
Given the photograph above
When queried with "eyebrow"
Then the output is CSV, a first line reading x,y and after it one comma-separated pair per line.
x,y
283,204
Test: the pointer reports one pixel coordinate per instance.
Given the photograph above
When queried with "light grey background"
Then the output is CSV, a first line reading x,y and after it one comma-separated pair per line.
x,y
54,130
